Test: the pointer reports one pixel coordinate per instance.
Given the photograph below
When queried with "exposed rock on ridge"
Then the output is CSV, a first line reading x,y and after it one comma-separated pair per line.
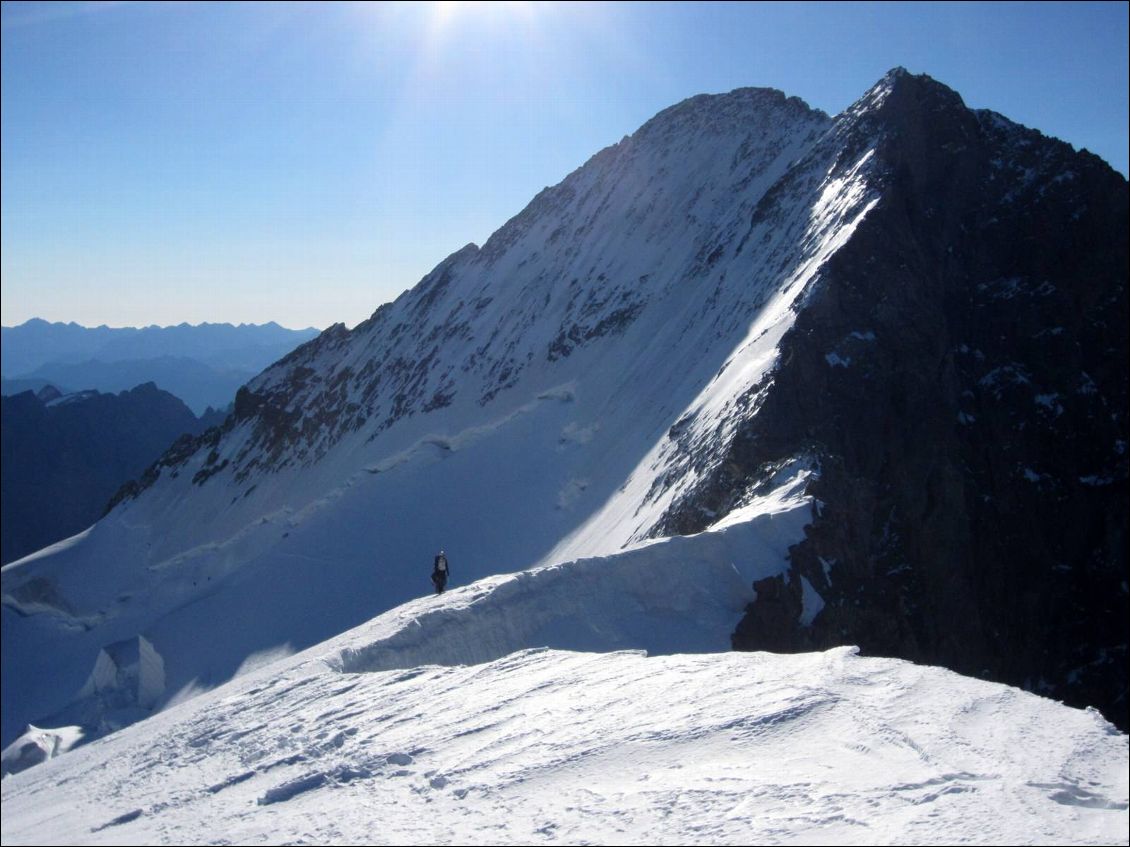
x,y
960,375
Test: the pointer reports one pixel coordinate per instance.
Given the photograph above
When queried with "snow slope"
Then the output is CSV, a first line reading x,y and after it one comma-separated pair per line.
x,y
448,720
543,398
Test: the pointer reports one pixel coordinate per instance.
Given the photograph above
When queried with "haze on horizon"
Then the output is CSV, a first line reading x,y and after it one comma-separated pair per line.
x,y
304,163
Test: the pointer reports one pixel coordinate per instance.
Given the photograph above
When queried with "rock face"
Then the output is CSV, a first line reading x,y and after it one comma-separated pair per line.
x,y
960,375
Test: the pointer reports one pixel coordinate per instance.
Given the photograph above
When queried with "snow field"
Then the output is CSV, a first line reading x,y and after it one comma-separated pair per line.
x,y
548,746
452,719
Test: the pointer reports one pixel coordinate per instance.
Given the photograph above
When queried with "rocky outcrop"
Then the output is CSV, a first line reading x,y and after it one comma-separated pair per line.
x,y
959,374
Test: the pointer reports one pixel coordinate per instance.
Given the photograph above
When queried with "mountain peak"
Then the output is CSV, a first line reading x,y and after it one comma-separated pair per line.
x,y
900,95
719,113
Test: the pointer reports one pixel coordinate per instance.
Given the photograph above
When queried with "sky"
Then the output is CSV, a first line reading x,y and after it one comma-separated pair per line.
x,y
305,163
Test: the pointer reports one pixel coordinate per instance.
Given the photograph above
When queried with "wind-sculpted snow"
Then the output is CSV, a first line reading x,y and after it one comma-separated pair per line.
x,y
453,719
549,746
668,596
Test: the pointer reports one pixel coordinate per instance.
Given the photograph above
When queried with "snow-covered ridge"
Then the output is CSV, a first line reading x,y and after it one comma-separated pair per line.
x,y
672,595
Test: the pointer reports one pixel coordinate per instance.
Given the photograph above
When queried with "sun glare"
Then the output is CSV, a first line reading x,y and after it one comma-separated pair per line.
x,y
447,13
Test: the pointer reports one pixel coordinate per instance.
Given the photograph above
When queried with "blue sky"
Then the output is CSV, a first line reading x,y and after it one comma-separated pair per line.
x,y
305,163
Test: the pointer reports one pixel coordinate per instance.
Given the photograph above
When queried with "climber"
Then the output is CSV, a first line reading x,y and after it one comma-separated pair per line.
x,y
440,572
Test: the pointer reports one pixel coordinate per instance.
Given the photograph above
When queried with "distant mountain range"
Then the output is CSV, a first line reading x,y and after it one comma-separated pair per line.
x,y
64,456
203,365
